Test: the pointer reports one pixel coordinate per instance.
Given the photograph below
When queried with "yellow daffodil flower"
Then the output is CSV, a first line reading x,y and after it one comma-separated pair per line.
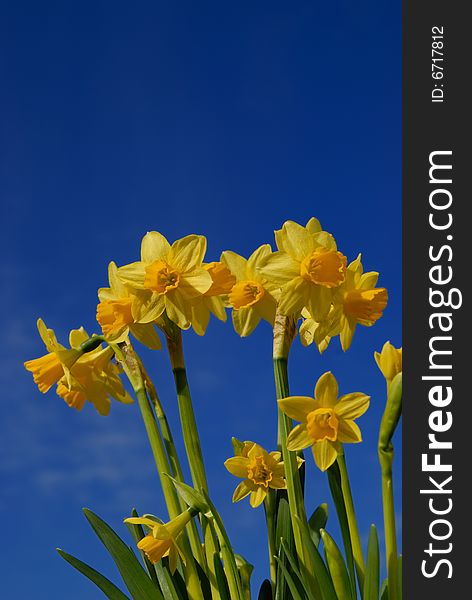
x,y
79,377
325,421
213,300
260,470
252,296
48,369
168,278
389,361
115,315
308,268
356,301
162,539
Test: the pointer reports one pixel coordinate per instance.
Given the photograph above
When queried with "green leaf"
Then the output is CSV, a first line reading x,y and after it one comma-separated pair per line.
x,y
336,567
191,496
138,583
293,565
400,574
169,590
290,582
384,590
318,521
108,588
320,571
334,480
221,578
283,531
245,571
372,571
265,592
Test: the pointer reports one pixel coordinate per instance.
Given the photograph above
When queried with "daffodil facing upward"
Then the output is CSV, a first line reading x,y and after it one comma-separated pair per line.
x,y
168,278
326,421
214,299
260,471
252,296
308,268
115,314
356,302
389,361
162,539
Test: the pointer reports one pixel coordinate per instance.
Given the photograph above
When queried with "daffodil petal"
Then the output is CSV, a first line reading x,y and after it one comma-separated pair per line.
x,y
235,263
297,407
154,246
133,274
313,225
116,285
368,281
318,301
147,307
278,483
347,333
255,259
241,491
298,438
257,497
326,390
349,432
280,268
267,308
351,406
245,320
173,558
294,296
324,454
176,309
237,466
195,283
188,252
147,334
296,240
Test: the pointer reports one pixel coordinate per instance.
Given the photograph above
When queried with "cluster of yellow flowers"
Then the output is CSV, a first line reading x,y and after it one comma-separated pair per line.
x,y
306,277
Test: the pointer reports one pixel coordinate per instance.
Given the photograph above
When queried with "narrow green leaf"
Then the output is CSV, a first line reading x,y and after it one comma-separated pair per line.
x,y
320,571
221,578
283,531
318,521
290,582
334,480
400,574
293,565
169,590
337,567
372,571
265,592
384,590
141,587
108,588
245,571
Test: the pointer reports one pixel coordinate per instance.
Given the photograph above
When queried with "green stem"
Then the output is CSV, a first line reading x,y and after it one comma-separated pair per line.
x,y
269,506
128,359
352,521
284,333
388,426
174,461
187,415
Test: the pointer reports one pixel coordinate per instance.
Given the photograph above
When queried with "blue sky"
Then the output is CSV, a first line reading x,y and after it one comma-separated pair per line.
x,y
213,118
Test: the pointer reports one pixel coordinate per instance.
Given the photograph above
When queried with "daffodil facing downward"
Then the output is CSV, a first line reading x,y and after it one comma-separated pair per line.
x,y
214,299
260,471
326,421
79,376
389,361
115,314
162,539
356,302
168,278
93,378
50,368
307,266
252,296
